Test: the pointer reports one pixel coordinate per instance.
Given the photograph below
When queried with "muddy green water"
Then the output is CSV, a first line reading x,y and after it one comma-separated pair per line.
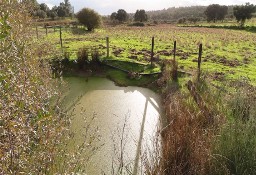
x,y
112,119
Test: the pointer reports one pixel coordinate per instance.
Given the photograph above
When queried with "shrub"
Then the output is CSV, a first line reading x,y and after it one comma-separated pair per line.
x,y
95,56
31,123
89,18
82,57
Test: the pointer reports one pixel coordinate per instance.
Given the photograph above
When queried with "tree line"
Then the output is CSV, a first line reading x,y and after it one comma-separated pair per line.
x,y
216,12
91,19
43,11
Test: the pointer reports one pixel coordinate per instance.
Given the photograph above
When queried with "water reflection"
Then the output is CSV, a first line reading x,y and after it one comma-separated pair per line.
x,y
136,108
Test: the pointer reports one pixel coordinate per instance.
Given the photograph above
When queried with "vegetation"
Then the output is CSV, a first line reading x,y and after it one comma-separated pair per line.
x,y
31,127
140,16
42,10
216,12
210,120
244,12
121,15
89,18
34,130
174,14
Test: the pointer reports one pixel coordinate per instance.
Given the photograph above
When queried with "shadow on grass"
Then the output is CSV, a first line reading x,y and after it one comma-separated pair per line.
x,y
80,31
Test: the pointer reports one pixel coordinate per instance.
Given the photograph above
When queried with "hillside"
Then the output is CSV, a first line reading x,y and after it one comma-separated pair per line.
x,y
173,14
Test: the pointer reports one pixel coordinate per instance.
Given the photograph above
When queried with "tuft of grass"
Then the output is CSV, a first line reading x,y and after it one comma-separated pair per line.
x,y
234,149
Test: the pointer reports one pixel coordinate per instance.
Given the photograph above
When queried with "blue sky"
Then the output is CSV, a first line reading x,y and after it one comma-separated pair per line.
x,y
106,7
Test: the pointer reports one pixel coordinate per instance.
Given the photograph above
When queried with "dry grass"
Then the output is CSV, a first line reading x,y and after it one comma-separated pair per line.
x,y
186,145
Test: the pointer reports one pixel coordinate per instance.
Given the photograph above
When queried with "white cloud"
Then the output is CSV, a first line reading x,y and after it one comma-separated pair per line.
x,y
108,6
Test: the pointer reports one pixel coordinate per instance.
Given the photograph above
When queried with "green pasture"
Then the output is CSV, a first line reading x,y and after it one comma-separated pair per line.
x,y
228,55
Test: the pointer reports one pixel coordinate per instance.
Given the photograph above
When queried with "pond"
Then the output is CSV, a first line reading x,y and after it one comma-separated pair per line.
x,y
117,123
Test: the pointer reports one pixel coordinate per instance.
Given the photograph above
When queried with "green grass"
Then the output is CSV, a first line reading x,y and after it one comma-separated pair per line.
x,y
134,66
122,79
231,52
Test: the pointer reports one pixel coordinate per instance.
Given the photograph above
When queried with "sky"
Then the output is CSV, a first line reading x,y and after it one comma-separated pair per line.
x,y
106,7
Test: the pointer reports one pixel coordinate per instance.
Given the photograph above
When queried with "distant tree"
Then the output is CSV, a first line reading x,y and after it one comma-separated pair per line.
x,y
113,16
89,18
69,8
244,12
141,16
64,9
44,7
193,19
215,12
121,15
41,14
52,14
182,20
61,10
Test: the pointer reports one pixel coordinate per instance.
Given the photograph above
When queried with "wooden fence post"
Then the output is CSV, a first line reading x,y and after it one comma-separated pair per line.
x,y
107,42
152,50
46,31
199,60
174,51
54,28
60,38
36,32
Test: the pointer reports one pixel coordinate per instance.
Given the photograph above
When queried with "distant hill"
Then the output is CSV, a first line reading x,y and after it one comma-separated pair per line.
x,y
174,14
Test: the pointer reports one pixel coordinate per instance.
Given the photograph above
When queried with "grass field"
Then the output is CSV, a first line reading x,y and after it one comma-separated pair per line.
x,y
228,55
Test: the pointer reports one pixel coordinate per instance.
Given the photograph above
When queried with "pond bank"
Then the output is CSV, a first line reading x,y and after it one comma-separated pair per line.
x,y
120,78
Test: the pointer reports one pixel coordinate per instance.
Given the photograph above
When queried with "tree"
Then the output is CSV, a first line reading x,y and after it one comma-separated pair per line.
x,y
44,7
61,10
113,16
141,16
121,15
41,14
215,12
89,18
244,12
69,8
52,14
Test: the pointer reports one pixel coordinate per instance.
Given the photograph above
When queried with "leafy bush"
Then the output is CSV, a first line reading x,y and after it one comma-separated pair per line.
x,y
82,57
89,18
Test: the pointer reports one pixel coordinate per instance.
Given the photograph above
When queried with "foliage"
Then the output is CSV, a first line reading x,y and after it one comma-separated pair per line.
x,y
216,12
82,57
64,9
41,14
42,10
140,16
174,14
52,14
89,18
26,137
121,15
182,20
32,126
44,7
244,12
113,16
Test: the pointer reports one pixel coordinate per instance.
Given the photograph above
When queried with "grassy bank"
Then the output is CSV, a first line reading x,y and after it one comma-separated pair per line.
x,y
227,54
